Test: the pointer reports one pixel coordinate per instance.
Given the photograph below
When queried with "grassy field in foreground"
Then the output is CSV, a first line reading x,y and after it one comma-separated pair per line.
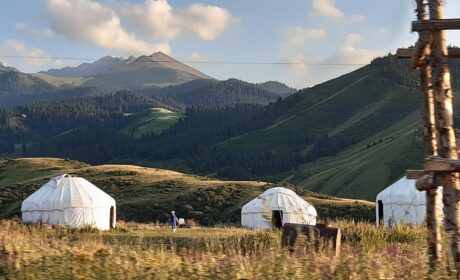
x,y
141,251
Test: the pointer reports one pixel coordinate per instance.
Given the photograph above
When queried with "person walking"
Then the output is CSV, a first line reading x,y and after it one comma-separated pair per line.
x,y
173,221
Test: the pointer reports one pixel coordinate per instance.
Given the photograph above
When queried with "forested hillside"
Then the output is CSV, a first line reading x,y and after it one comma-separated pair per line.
x,y
226,93
38,122
278,88
350,136
15,85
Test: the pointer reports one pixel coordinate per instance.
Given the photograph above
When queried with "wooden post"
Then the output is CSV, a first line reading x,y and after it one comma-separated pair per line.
x,y
444,123
421,59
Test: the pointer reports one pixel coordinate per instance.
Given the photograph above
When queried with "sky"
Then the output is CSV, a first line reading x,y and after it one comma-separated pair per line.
x,y
298,42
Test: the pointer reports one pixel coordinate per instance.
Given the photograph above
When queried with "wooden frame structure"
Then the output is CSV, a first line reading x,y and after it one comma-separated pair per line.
x,y
441,167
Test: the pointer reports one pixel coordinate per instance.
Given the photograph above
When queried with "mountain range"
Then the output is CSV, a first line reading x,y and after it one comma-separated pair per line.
x,y
350,137
157,73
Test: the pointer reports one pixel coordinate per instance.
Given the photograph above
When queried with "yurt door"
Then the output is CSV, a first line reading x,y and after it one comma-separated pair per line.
x,y
112,217
380,211
277,220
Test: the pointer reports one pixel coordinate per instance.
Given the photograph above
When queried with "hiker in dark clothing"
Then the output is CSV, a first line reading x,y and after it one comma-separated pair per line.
x,y
173,221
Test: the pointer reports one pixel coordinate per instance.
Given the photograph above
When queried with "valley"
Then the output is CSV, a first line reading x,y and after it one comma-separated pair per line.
x,y
348,137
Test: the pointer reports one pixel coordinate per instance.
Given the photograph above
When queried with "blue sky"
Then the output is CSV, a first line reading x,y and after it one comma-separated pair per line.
x,y
309,33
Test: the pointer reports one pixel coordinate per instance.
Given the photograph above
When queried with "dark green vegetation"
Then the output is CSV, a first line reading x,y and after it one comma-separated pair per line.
x,y
349,137
217,94
278,88
149,194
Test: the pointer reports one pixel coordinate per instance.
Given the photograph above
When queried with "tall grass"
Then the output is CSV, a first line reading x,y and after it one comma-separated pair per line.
x,y
140,251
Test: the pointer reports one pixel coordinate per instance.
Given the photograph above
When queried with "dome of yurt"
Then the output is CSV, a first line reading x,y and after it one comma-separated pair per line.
x,y
275,207
71,201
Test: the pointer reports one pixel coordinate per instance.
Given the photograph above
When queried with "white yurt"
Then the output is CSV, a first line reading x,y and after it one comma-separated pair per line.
x,y
71,201
401,202
275,207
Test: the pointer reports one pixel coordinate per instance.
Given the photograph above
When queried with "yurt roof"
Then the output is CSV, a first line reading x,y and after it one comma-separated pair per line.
x,y
63,192
278,199
402,191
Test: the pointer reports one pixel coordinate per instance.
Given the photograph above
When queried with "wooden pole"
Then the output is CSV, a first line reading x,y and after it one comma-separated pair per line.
x,y
444,123
433,212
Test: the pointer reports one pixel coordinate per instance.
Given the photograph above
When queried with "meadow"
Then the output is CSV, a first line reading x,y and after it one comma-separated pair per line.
x,y
149,194
147,251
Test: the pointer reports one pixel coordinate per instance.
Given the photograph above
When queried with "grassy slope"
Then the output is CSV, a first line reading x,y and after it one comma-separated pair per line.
x,y
13,83
359,171
60,81
154,120
147,194
359,105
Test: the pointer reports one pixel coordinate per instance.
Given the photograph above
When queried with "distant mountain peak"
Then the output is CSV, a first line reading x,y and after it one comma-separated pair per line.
x,y
108,57
155,70
159,54
100,66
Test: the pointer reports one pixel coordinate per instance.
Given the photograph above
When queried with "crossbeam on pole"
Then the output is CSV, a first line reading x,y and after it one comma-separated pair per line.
x,y
409,52
436,24
414,174
438,164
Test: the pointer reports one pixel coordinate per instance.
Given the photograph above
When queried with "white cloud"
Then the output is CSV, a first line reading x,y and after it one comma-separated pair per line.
x,y
327,8
350,54
207,22
90,21
346,59
297,36
358,18
300,63
154,19
197,57
157,19
352,38
26,59
27,30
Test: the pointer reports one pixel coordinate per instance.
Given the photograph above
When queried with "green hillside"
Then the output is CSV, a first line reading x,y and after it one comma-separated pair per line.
x,y
367,167
352,135
16,87
148,194
154,120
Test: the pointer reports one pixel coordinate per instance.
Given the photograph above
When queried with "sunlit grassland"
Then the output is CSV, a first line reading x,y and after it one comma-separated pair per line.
x,y
153,121
149,194
142,251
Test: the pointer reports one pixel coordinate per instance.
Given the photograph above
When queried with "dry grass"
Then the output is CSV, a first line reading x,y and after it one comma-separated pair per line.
x,y
28,169
152,175
130,252
31,169
148,194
